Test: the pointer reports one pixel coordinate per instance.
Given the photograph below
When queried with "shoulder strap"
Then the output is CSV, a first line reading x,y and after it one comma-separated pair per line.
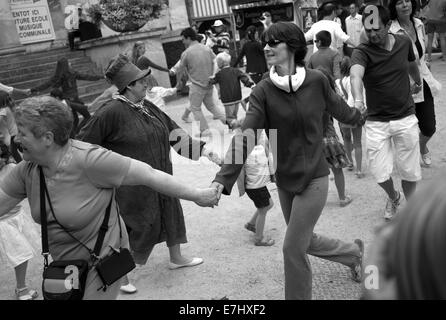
x,y
43,222
102,230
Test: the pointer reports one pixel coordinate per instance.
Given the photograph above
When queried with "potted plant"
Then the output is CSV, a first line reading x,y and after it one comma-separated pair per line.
x,y
94,11
129,15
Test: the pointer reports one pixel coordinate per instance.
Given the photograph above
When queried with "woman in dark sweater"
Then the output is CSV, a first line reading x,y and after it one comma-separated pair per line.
x,y
253,50
290,105
66,78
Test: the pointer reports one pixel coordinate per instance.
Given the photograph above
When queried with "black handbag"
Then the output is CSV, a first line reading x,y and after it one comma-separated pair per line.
x,y
66,279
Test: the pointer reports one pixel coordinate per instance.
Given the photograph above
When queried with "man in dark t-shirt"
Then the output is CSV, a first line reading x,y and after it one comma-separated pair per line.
x,y
382,66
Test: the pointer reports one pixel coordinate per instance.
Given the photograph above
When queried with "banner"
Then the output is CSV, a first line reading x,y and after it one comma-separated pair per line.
x,y
33,20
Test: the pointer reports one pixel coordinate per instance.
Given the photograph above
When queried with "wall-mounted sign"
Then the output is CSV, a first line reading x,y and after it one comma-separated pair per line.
x,y
33,20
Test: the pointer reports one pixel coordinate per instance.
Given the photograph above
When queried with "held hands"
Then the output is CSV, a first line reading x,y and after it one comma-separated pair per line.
x,y
363,110
219,189
207,197
415,88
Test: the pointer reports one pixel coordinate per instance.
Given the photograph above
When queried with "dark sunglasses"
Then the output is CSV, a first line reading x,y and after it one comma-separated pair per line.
x,y
272,43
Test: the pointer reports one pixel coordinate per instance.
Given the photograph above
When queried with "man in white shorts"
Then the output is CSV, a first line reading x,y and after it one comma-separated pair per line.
x,y
382,66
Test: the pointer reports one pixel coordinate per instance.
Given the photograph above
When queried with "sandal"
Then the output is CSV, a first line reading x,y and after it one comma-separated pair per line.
x,y
359,174
250,227
346,201
264,243
25,294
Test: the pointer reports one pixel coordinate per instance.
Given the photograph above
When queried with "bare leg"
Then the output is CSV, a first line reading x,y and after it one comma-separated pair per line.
x,y
347,136
423,143
430,39
20,274
254,218
260,221
357,134
443,44
339,182
175,255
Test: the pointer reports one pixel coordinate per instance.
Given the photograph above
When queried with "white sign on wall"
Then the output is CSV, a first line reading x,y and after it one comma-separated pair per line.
x,y
33,20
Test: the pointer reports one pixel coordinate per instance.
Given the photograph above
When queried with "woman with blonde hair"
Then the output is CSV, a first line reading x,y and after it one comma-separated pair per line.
x,y
138,58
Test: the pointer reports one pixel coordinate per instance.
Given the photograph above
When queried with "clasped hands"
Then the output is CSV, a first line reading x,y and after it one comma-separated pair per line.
x,y
209,197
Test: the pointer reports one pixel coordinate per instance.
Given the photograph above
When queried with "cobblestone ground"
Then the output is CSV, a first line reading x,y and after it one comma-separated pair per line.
x,y
233,266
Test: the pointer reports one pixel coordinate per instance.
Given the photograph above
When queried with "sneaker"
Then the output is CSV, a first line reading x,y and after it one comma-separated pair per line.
x,y
392,207
356,270
345,202
427,160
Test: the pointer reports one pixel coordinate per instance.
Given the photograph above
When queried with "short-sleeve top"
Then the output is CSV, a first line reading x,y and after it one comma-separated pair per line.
x,y
386,79
337,35
80,191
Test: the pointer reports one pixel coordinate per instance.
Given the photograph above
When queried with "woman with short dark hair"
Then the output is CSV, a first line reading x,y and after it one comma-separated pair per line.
x,y
291,103
403,22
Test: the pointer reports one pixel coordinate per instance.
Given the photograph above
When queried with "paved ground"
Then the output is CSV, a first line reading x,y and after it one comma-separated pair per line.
x,y
233,266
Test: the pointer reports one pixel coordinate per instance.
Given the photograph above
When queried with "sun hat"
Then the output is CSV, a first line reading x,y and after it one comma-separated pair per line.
x,y
217,23
121,72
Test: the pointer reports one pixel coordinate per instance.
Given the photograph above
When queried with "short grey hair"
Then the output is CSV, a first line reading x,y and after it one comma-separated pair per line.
x,y
43,114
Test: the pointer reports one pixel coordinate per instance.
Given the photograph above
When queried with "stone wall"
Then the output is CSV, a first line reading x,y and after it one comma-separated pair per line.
x,y
8,35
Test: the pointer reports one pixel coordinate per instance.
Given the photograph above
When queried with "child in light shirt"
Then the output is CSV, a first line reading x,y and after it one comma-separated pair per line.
x,y
19,238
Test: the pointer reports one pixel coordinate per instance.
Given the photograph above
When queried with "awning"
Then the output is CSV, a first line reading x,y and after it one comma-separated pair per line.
x,y
209,8
236,2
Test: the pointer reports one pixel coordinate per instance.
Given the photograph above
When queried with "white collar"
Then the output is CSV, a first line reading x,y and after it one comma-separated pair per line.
x,y
288,83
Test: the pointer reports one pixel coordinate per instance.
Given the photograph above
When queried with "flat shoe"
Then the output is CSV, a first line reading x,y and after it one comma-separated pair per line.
x,y
264,243
250,227
30,295
128,288
346,201
194,262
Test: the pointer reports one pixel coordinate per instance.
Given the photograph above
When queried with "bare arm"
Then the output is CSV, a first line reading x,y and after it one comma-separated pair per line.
x,y
414,72
350,43
141,173
356,76
7,203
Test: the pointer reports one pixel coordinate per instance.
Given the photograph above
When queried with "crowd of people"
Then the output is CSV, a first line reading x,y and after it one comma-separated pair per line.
x,y
371,78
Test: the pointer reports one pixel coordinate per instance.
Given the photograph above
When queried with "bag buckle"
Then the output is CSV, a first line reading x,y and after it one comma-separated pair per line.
x,y
45,259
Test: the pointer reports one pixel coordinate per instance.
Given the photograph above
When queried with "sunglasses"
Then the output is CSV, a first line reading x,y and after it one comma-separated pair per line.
x,y
272,43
